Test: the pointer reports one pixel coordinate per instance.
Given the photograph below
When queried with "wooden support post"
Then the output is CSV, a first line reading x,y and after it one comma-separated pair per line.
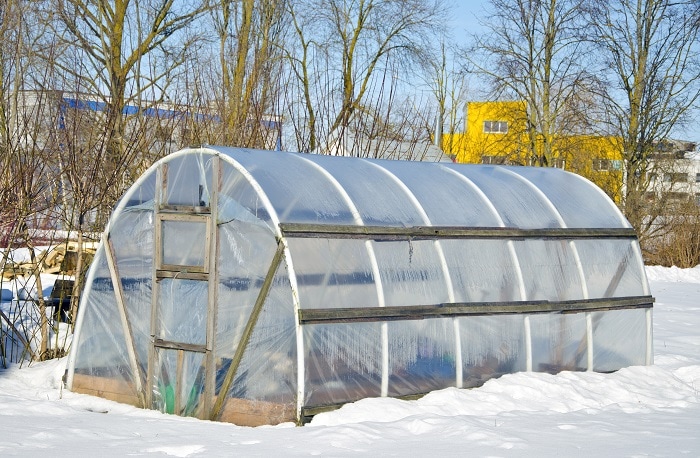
x,y
124,317
247,332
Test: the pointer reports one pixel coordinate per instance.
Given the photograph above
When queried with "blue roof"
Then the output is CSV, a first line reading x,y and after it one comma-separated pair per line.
x,y
92,105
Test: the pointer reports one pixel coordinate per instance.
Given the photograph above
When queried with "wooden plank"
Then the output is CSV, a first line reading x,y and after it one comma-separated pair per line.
x,y
179,380
447,232
248,331
212,248
114,389
160,195
185,209
182,274
170,345
124,317
245,412
419,312
184,217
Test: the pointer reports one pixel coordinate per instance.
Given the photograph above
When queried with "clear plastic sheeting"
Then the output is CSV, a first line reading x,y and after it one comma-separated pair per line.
x,y
421,356
342,363
260,287
182,311
492,346
619,339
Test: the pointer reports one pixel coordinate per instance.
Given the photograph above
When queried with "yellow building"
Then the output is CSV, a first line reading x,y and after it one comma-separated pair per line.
x,y
496,133
493,133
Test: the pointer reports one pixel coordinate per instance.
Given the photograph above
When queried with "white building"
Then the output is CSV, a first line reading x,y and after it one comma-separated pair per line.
x,y
675,176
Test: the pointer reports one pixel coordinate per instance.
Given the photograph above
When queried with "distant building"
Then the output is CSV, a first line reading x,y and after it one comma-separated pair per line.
x,y
170,127
496,133
674,174
67,131
493,134
352,145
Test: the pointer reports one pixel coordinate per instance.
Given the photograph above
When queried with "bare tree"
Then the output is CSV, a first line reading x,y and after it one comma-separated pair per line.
x,y
448,84
533,52
26,179
649,53
250,54
345,50
119,60
115,37
111,44
305,60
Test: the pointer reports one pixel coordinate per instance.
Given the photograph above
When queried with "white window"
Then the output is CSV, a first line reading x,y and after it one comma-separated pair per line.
x,y
677,197
493,159
496,127
602,165
676,177
606,165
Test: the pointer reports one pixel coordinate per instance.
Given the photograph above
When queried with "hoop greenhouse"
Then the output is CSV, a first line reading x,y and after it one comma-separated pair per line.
x,y
260,287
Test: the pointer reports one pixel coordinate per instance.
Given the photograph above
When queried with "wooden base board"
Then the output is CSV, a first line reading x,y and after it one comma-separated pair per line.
x,y
108,388
246,412
242,412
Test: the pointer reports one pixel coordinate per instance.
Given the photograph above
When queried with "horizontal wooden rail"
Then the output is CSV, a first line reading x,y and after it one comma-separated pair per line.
x,y
185,209
447,232
182,274
160,343
419,312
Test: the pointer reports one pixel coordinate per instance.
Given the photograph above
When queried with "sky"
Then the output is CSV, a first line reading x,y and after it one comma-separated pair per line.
x,y
465,18
651,411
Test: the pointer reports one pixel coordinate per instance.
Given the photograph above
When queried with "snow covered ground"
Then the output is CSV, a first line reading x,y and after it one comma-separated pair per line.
x,y
637,411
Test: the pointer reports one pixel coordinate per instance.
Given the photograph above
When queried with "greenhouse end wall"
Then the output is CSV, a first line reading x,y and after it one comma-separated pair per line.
x,y
261,287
